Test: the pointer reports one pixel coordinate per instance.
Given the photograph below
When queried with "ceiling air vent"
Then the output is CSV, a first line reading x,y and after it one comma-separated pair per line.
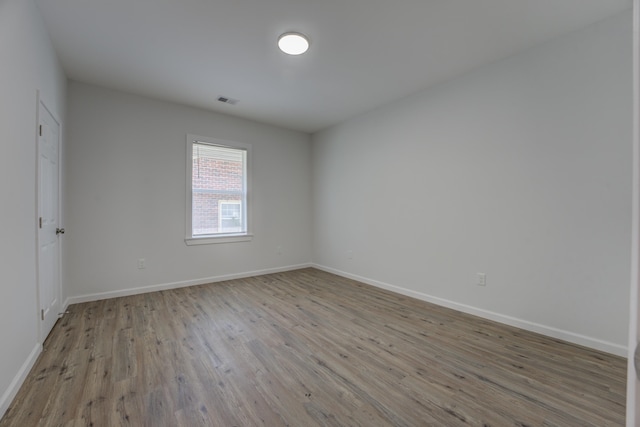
x,y
227,100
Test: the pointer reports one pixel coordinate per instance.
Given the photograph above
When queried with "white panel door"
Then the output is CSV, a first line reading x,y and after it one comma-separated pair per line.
x,y
48,221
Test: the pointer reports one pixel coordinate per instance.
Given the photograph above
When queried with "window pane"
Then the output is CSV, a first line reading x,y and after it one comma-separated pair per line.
x,y
218,190
230,216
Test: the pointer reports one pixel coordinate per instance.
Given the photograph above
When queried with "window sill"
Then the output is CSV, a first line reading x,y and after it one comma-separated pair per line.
x,y
210,240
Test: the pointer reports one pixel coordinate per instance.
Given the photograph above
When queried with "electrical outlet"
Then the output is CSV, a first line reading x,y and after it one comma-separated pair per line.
x,y
349,254
142,263
482,279
279,250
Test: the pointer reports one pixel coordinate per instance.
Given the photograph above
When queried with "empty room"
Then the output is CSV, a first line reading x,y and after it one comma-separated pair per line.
x,y
297,213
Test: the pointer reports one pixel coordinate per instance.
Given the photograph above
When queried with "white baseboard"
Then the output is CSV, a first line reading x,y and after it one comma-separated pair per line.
x,y
549,331
10,393
176,285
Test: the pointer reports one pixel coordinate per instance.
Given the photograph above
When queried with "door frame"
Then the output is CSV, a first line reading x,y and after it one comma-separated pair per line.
x,y
42,102
632,378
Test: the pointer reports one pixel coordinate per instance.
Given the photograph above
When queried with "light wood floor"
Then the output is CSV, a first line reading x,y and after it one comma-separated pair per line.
x,y
307,348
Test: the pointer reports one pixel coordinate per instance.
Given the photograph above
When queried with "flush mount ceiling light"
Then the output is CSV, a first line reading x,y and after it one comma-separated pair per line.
x,y
293,43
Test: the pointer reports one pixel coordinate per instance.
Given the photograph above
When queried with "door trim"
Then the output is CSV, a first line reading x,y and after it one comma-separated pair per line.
x,y
632,381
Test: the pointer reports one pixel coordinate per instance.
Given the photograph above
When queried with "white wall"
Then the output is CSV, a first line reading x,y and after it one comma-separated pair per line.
x,y
520,170
126,195
28,63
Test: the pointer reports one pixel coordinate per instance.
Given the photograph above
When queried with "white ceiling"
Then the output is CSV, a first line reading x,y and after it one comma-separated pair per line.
x,y
364,53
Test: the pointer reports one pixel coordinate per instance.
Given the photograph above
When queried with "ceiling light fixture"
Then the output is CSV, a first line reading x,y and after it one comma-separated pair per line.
x,y
293,43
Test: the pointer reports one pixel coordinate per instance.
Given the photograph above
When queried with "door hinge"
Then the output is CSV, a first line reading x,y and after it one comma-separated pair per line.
x,y
40,220
40,130
42,314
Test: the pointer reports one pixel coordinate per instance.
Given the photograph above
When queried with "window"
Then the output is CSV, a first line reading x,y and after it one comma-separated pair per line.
x,y
230,216
217,191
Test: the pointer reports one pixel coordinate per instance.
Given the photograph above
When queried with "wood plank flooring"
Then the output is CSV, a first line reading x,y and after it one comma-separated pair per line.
x,y
307,348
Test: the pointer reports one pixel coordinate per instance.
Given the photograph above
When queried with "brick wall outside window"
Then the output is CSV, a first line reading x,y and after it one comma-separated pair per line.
x,y
214,180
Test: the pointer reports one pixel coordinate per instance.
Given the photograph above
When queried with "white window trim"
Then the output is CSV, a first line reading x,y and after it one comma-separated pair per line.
x,y
189,239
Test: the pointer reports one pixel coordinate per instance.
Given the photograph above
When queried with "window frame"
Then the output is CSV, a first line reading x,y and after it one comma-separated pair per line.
x,y
190,239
